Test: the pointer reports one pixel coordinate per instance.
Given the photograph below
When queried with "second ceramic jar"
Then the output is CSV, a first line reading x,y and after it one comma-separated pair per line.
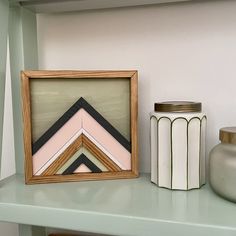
x,y
223,164
178,132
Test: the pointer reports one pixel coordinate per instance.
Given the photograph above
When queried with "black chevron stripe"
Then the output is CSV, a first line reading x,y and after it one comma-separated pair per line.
x,y
82,159
80,103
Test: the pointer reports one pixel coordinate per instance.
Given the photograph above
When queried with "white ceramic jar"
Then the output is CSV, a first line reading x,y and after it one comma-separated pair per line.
x,y
178,131
222,165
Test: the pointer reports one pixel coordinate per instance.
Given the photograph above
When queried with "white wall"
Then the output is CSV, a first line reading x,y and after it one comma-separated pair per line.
x,y
182,52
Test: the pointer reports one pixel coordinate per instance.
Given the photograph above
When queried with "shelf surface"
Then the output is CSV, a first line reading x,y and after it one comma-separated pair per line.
x,y
49,6
117,207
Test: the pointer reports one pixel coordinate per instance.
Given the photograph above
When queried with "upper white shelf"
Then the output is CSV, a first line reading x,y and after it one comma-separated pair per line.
x,y
132,207
50,6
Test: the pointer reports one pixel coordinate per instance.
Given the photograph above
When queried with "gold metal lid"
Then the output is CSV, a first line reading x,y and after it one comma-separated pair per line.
x,y
178,106
228,135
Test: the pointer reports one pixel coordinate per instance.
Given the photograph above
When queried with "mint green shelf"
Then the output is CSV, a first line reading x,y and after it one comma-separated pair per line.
x,y
118,207
49,6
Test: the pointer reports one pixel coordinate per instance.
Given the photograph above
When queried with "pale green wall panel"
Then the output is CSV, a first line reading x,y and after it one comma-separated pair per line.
x,y
23,55
16,64
4,6
29,32
27,230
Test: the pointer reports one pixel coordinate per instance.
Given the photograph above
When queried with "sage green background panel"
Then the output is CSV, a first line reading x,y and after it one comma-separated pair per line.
x,y
4,6
23,55
28,230
117,207
52,97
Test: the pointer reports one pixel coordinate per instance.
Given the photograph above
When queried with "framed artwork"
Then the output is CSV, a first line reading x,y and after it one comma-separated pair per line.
x,y
79,125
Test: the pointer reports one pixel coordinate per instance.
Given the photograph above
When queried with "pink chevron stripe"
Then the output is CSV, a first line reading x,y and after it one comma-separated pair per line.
x,y
82,169
106,140
51,159
57,142
69,132
103,149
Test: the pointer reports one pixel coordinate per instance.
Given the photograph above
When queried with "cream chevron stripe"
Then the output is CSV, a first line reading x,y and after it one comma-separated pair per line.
x,y
64,157
82,159
75,156
70,161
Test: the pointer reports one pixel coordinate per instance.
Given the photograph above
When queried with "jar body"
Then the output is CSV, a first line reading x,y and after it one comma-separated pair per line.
x,y
178,149
222,170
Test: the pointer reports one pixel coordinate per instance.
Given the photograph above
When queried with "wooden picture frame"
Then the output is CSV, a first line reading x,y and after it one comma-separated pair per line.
x,y
64,235
35,151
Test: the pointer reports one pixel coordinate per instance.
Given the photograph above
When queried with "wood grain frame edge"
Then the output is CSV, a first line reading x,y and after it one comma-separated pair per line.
x,y
82,177
106,74
134,122
26,113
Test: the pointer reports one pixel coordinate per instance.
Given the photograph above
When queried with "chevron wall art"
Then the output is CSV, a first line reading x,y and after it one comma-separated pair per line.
x,y
79,127
80,145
